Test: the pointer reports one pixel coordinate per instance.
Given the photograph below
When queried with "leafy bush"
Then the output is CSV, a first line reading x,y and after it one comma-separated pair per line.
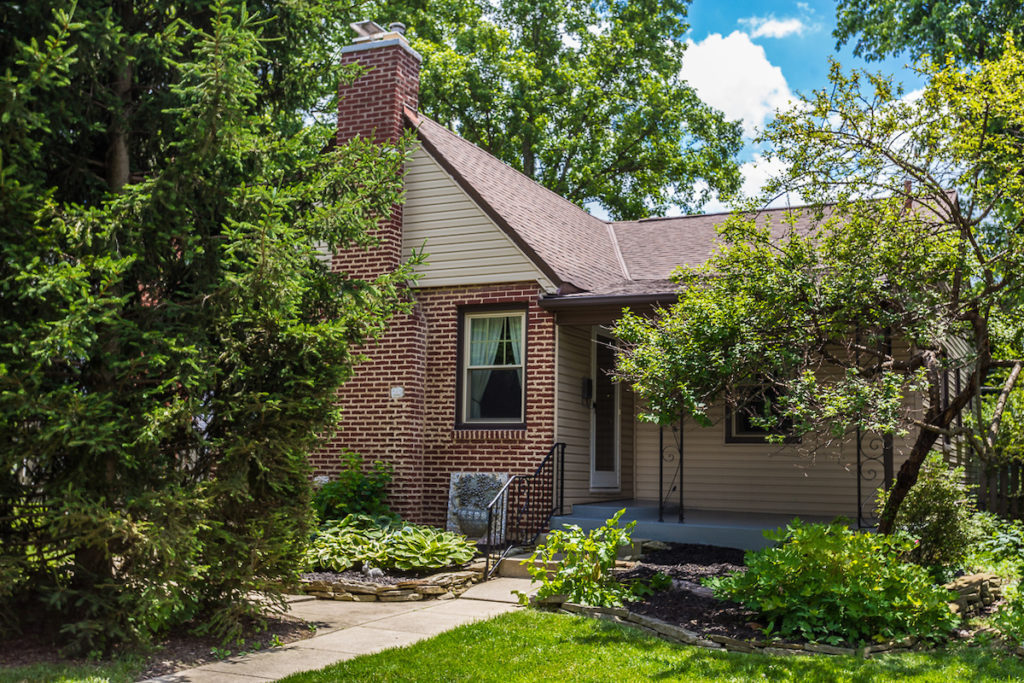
x,y
584,564
998,545
356,489
825,582
1009,619
385,542
939,513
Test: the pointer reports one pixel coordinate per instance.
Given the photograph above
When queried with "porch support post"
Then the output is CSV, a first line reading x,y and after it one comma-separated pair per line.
x,y
887,464
681,463
860,494
661,473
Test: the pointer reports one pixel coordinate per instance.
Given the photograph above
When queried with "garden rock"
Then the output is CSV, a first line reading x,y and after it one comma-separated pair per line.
x,y
974,593
441,586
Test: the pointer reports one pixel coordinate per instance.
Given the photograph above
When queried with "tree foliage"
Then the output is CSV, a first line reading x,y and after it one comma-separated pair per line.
x,y
968,30
902,274
172,339
584,97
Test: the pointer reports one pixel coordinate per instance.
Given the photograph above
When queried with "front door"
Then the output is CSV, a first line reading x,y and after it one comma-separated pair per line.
x,y
604,418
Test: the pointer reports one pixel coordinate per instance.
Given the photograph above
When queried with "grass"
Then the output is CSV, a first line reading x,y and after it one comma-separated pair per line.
x,y
107,672
533,646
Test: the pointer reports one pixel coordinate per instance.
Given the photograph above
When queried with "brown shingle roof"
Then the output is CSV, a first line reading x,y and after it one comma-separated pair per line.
x,y
652,247
594,257
567,243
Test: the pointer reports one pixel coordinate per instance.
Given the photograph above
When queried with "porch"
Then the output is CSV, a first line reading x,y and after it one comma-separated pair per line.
x,y
732,485
744,530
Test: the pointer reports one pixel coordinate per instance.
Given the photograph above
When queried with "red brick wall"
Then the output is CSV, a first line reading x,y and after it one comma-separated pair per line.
x,y
417,433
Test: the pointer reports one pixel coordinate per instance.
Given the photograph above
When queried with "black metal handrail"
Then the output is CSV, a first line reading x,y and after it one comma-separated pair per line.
x,y
521,511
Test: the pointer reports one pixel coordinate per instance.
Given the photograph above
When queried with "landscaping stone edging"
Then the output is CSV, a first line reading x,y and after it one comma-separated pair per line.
x,y
442,586
976,592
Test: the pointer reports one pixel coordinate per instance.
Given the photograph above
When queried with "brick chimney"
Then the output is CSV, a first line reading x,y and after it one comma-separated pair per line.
x,y
372,106
383,403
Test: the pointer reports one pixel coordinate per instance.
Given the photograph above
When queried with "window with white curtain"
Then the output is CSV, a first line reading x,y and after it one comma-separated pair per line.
x,y
493,371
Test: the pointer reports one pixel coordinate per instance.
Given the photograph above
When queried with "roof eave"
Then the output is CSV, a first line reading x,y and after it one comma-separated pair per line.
x,y
559,303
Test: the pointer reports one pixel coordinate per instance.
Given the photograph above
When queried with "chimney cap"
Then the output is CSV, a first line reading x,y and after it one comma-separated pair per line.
x,y
397,26
366,28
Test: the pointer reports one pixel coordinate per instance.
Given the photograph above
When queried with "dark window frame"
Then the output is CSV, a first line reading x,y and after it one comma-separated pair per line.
x,y
731,437
465,313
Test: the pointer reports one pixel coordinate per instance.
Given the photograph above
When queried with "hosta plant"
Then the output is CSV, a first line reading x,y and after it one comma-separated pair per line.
x,y
387,543
826,582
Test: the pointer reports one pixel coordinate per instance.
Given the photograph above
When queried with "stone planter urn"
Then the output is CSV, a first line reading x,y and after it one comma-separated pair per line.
x,y
469,495
472,521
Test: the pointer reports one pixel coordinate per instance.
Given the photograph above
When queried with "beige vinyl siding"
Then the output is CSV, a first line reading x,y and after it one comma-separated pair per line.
x,y
627,439
770,478
463,245
747,477
572,423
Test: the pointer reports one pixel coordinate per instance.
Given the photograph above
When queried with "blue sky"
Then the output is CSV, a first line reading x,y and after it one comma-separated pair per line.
x,y
749,58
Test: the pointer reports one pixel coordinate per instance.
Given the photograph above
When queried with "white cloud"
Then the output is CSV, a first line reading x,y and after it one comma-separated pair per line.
x,y
734,75
913,96
771,27
755,174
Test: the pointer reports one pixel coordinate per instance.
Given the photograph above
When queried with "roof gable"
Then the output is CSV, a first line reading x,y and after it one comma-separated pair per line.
x,y
568,244
463,246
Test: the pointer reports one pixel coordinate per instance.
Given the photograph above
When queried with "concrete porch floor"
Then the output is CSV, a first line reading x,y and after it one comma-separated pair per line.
x,y
710,527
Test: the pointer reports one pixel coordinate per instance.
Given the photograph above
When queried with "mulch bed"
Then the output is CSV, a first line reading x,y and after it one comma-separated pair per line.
x,y
179,650
686,604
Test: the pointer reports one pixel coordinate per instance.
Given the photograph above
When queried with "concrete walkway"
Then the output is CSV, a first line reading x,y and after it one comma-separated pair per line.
x,y
349,629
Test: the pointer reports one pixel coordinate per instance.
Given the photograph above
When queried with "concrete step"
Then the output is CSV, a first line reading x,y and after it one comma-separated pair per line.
x,y
630,552
517,566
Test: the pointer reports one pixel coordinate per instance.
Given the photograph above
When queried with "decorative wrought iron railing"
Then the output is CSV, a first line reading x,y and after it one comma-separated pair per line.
x,y
670,454
522,509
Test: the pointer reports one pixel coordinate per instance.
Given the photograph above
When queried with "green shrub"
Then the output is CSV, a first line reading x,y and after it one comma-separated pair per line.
x,y
998,545
1009,619
825,582
584,564
387,543
356,490
938,513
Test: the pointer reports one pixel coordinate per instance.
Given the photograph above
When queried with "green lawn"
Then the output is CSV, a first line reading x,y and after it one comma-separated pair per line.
x,y
532,646
108,672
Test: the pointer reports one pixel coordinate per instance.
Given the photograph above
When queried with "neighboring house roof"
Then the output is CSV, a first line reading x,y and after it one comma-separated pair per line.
x,y
588,258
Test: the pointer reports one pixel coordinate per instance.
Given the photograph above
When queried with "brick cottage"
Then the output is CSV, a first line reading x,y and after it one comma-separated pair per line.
x,y
507,349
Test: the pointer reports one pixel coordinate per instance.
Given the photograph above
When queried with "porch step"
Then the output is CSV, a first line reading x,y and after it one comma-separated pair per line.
x,y
631,552
743,530
517,566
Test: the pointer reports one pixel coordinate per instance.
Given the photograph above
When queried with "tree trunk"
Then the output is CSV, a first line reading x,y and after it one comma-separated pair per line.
x,y
906,478
118,160
941,418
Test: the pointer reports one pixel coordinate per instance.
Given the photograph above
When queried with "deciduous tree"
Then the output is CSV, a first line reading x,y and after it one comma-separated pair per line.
x,y
584,97
905,271
968,30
